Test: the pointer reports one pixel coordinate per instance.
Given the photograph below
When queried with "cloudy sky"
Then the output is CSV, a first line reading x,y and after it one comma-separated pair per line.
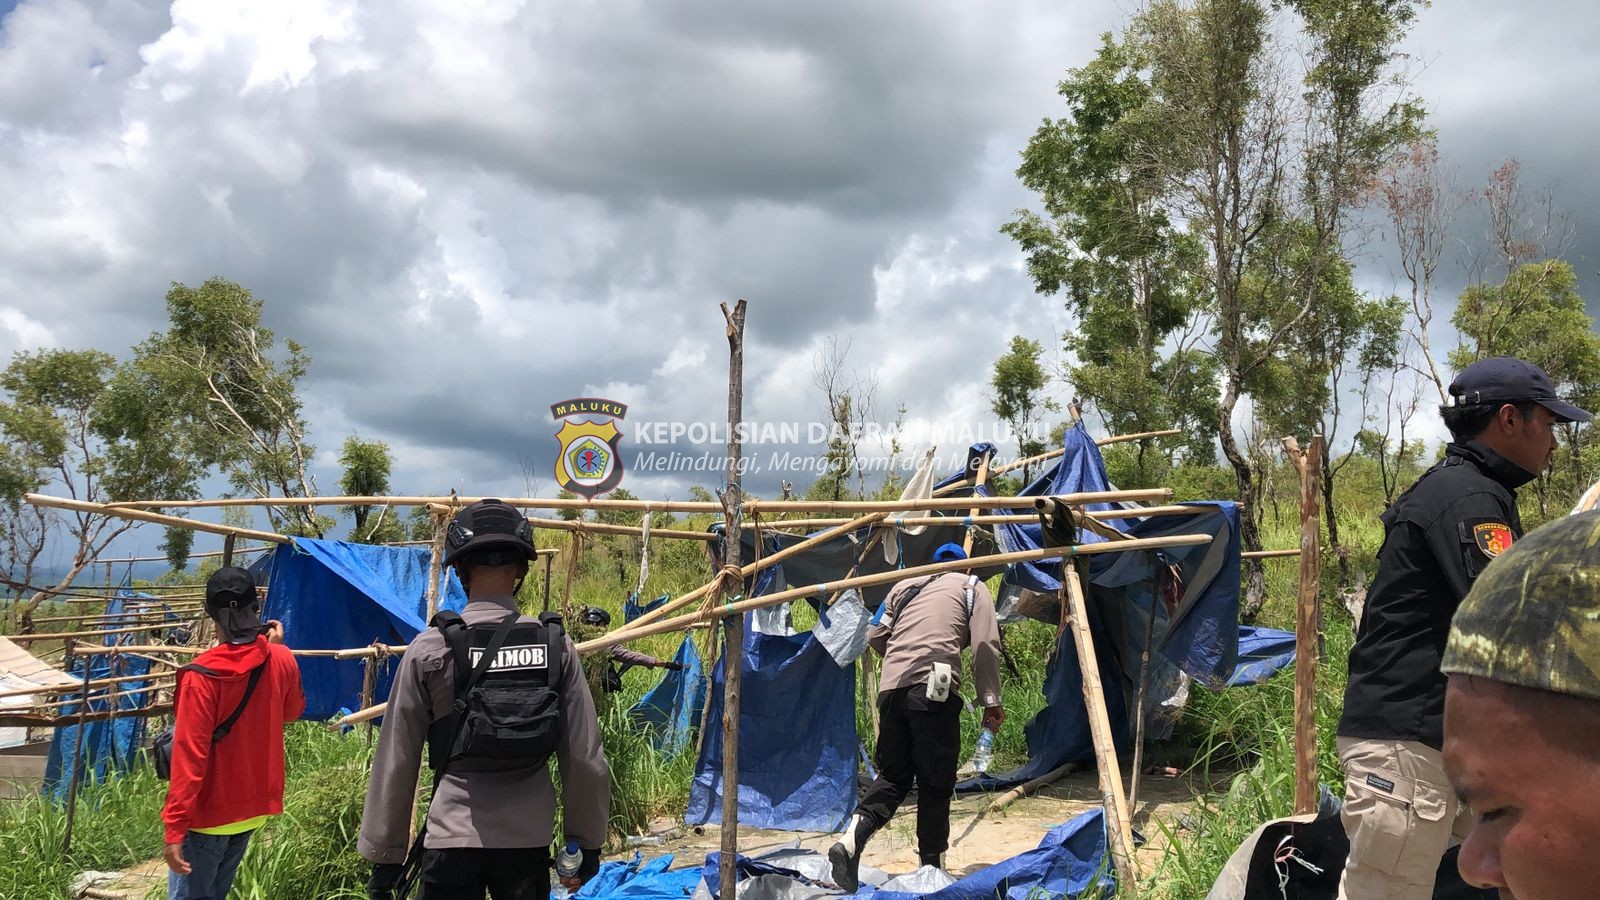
x,y
467,211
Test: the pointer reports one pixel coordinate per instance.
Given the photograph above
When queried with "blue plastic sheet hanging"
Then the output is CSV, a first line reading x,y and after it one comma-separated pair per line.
x,y
671,710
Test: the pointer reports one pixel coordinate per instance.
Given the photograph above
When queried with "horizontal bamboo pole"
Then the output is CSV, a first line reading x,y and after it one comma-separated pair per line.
x,y
26,720
603,528
154,616
73,688
207,555
751,568
1099,442
369,652
137,515
751,506
1142,512
141,650
1268,554
78,635
956,565
118,692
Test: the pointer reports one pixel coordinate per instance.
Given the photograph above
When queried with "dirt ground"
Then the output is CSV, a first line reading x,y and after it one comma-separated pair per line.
x,y
975,842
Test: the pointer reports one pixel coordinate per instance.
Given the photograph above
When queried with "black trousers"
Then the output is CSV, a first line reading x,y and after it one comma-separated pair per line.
x,y
919,744
465,873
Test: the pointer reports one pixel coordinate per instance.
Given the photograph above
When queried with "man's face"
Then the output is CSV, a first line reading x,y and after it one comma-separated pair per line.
x,y
1533,440
1528,764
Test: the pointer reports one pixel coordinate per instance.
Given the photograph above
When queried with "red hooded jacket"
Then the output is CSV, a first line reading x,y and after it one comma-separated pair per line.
x,y
241,776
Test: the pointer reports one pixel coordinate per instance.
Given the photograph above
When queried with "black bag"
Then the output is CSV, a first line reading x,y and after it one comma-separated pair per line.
x,y
493,724
161,747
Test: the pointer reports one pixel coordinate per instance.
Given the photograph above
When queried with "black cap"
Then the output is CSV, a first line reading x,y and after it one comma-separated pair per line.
x,y
594,615
232,600
489,525
1504,379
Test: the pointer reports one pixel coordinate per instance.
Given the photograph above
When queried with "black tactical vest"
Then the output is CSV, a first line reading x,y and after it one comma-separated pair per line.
x,y
506,713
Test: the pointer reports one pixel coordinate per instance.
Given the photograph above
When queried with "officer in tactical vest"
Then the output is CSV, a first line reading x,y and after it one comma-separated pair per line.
x,y
1399,810
493,695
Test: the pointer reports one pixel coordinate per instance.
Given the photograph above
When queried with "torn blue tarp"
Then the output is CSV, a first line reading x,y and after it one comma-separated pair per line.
x,y
638,880
1070,860
108,746
797,738
1263,652
671,710
332,595
632,609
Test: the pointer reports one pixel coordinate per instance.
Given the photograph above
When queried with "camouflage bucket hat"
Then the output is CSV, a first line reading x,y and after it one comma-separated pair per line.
x,y
1532,618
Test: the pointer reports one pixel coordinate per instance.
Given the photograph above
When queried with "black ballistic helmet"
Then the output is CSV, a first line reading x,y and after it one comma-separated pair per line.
x,y
492,532
594,615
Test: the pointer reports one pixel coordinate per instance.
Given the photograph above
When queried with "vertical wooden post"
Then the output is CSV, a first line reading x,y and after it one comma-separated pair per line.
x,y
548,560
436,563
1144,687
978,481
733,640
227,549
1309,465
369,686
1119,826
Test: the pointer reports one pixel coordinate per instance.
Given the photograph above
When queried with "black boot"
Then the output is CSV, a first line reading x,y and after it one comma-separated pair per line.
x,y
936,860
845,854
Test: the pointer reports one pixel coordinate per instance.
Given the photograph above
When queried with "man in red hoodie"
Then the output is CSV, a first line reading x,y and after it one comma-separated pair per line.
x,y
223,790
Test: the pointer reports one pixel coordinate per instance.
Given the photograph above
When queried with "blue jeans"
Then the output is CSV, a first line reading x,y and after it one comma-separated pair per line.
x,y
213,859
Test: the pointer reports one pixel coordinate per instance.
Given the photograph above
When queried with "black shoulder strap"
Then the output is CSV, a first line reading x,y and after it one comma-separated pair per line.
x,y
454,630
250,687
554,640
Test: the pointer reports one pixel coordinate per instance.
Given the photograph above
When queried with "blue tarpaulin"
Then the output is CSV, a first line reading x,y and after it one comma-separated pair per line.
x,y
671,710
633,609
1262,653
797,738
108,746
332,595
1198,634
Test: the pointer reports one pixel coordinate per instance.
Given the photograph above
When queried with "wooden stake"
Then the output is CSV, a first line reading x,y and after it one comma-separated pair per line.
x,y
77,769
227,549
733,641
1309,464
369,685
1119,827
436,564
1139,713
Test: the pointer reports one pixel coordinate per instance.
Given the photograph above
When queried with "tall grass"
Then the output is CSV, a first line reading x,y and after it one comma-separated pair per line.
x,y
118,823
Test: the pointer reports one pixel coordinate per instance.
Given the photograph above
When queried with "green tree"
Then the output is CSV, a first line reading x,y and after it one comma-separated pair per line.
x,y
1018,399
1537,315
63,430
176,545
419,524
366,474
1106,242
216,370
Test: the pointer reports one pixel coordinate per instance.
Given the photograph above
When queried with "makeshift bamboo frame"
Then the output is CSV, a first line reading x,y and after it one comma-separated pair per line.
x,y
74,688
1119,827
978,482
956,521
206,555
602,528
751,506
79,635
1309,464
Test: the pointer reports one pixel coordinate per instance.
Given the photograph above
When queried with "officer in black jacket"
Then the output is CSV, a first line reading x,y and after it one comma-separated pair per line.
x,y
1399,809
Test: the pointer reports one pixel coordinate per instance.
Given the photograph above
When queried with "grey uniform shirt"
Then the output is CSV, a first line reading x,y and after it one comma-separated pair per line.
x,y
933,627
495,810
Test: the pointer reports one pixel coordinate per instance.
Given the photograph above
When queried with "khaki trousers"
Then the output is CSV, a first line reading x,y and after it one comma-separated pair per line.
x,y
1399,813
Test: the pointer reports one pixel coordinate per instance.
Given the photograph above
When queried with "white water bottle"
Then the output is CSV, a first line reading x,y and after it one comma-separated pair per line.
x,y
985,752
569,860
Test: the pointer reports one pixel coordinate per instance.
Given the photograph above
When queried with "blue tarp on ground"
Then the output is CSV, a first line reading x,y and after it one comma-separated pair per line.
x,y
1262,653
797,738
331,595
108,746
671,710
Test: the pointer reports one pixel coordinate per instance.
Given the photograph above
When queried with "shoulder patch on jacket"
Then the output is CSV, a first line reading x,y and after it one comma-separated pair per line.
x,y
1493,538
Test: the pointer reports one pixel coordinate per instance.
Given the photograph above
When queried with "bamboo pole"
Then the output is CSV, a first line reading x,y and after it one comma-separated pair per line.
x,y
73,688
1309,464
77,772
1099,442
77,635
746,571
137,515
206,555
692,620
1119,828
227,549
751,506
1029,788
1268,554
977,482
954,521
733,642
630,530
369,684
37,720
1139,711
